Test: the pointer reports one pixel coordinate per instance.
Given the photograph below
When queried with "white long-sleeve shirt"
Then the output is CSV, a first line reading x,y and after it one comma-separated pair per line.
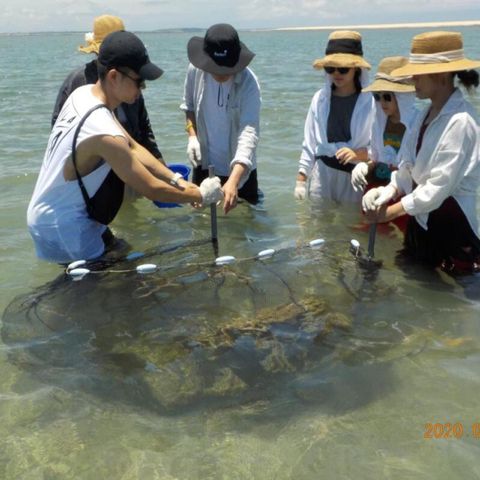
x,y
447,164
327,182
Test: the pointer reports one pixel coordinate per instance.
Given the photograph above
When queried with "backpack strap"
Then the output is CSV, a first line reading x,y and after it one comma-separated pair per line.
x,y
85,196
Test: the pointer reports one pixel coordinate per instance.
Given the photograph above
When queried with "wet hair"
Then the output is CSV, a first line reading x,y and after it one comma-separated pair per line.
x,y
356,80
468,78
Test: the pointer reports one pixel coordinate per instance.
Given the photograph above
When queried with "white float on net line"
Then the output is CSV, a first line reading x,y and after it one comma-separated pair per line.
x,y
317,243
146,268
269,252
225,260
78,272
75,264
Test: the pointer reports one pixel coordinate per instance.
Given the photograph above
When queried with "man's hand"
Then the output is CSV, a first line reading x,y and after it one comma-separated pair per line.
x,y
230,192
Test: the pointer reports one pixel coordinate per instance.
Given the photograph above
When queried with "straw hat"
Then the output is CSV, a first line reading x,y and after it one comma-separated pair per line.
x,y
102,26
436,52
385,82
344,49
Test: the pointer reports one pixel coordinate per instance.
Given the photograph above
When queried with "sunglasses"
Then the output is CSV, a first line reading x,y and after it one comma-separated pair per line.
x,y
139,82
341,70
386,97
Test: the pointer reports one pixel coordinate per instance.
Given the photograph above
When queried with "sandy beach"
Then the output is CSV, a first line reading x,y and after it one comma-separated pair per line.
x,y
467,23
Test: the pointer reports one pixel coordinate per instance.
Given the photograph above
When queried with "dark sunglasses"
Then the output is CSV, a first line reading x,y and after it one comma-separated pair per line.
x,y
139,82
341,70
387,97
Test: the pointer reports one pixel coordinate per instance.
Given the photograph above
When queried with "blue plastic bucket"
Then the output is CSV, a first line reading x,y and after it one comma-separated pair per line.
x,y
176,168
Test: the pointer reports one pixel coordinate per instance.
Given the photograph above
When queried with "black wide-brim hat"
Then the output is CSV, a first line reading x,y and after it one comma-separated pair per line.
x,y
220,52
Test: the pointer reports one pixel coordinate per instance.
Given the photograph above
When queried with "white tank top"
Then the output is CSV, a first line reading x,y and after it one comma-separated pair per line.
x,y
57,217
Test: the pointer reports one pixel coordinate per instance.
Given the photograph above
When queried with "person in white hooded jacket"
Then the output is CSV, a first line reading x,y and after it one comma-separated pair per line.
x,y
395,113
338,123
439,172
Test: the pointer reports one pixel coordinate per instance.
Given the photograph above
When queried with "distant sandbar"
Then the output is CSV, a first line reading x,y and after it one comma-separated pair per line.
x,y
468,23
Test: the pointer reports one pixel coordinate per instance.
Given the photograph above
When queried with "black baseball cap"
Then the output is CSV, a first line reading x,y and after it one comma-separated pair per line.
x,y
125,49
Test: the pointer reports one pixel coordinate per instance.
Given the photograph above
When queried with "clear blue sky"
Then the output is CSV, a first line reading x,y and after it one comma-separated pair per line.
x,y
77,15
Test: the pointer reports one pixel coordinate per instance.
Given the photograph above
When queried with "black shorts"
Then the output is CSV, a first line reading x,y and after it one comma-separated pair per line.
x,y
248,192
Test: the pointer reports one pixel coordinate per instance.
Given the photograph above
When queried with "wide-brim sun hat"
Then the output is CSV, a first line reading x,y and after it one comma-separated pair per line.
x,y
344,49
220,52
384,80
436,52
102,26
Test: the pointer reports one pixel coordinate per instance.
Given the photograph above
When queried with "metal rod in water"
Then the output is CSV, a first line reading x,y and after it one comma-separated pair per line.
x,y
213,211
371,240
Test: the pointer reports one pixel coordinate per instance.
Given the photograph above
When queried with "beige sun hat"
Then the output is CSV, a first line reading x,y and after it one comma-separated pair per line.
x,y
436,52
102,26
344,49
384,80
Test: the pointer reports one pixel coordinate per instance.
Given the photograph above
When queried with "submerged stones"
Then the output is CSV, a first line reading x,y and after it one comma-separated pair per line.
x,y
310,315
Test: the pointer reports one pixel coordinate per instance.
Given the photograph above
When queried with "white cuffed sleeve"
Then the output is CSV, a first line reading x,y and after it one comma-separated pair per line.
x,y
188,90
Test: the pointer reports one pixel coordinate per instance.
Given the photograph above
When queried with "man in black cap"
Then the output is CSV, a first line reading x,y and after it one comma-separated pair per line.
x,y
222,106
133,117
90,157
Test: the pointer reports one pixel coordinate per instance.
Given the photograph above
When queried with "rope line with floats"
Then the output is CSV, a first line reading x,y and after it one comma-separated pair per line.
x,y
79,268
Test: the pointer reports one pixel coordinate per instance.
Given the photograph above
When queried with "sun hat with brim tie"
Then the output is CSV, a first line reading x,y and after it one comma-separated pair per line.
x,y
344,49
436,52
384,80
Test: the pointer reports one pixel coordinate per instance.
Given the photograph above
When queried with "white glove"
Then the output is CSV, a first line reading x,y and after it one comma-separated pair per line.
x,y
359,176
368,200
211,191
193,151
376,197
388,193
300,191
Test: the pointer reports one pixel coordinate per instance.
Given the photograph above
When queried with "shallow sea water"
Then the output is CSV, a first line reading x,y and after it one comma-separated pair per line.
x,y
306,365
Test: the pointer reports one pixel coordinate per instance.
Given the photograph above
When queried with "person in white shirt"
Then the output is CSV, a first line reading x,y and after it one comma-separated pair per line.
x,y
395,113
90,158
338,124
222,107
440,171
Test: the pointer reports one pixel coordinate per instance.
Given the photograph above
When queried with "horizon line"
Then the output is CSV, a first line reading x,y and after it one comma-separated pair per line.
x,y
454,23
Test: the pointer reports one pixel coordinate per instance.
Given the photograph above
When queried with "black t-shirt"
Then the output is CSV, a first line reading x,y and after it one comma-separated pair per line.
x,y
339,117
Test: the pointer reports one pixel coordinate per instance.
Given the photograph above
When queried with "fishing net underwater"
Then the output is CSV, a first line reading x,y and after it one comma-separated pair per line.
x,y
304,323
